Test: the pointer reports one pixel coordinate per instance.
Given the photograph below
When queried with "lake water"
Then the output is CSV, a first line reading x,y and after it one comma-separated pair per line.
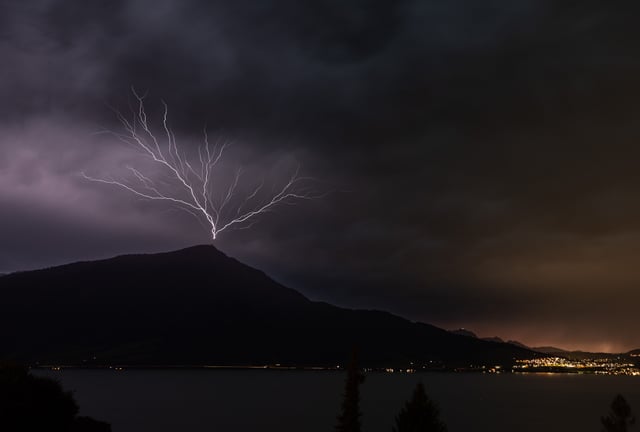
x,y
288,401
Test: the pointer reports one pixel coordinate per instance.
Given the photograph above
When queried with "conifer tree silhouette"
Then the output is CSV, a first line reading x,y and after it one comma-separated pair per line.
x,y
620,417
349,418
420,414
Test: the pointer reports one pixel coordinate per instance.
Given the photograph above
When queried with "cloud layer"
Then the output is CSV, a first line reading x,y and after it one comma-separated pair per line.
x,y
481,158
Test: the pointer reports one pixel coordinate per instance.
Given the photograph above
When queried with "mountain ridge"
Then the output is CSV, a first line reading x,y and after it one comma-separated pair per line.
x,y
547,350
199,306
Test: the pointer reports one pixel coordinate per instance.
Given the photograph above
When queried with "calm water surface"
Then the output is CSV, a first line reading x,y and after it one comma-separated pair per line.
x,y
288,401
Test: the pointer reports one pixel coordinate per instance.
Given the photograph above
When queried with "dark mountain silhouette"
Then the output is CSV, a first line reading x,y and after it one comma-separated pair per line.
x,y
496,339
464,332
583,355
550,350
518,344
197,306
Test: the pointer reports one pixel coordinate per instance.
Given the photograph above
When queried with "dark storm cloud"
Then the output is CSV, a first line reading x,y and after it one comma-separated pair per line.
x,y
481,156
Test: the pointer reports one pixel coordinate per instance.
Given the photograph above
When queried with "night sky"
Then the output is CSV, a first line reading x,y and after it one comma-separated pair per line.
x,y
480,159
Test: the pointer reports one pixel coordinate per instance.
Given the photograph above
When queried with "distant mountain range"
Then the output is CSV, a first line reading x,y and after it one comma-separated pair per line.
x,y
548,350
495,339
198,306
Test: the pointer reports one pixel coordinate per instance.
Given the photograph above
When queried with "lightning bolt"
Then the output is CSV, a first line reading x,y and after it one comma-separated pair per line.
x,y
194,189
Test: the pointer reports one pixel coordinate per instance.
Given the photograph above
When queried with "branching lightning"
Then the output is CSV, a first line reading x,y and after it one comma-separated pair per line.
x,y
192,184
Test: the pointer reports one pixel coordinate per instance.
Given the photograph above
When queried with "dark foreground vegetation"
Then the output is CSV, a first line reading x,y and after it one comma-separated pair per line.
x,y
620,418
29,403
419,414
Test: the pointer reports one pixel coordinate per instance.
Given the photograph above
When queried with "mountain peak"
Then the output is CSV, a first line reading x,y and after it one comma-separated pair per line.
x,y
197,251
464,332
199,306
